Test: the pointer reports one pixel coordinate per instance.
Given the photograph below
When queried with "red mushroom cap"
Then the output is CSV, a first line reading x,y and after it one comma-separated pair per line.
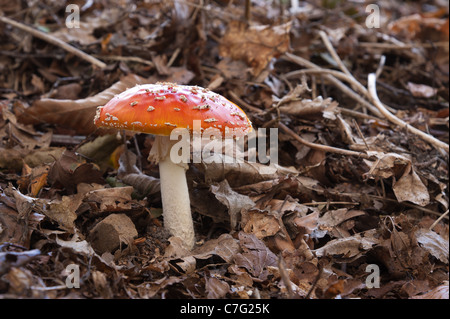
x,y
159,108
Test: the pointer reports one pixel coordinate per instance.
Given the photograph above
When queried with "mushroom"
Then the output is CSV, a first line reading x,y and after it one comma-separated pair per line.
x,y
158,109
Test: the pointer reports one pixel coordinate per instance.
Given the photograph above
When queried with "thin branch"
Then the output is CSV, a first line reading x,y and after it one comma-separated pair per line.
x,y
394,46
336,58
323,148
344,69
392,118
345,89
55,41
235,97
126,59
438,220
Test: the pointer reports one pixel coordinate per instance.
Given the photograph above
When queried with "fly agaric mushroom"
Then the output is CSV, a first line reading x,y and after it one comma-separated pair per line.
x,y
158,109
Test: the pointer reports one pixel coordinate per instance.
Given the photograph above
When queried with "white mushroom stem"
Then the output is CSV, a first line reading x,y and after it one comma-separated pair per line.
x,y
174,192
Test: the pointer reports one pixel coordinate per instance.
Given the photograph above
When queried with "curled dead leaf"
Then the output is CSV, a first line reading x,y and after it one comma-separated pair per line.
x,y
256,45
349,248
234,201
112,232
440,292
76,114
433,243
131,175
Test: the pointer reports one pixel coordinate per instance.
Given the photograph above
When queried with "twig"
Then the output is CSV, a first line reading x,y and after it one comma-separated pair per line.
x,y
438,220
360,133
243,103
390,200
126,58
173,57
380,66
55,41
323,148
345,89
392,118
285,277
329,203
394,46
248,6
336,58
316,280
353,113
344,69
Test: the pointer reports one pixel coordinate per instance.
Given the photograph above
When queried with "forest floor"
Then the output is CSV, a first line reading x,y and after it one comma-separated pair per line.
x,y
356,205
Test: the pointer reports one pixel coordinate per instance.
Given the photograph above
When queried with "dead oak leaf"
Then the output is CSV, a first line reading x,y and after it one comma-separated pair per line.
x,y
110,199
350,247
260,223
256,45
433,243
60,211
234,201
256,257
440,292
216,288
409,186
68,171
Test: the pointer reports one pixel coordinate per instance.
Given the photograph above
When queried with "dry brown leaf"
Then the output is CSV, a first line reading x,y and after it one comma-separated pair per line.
x,y
307,224
307,107
433,243
232,69
333,218
12,231
386,165
410,26
411,188
256,257
79,246
68,171
76,114
260,223
60,211
111,233
63,211
256,45
44,156
348,248
440,292
109,199
11,159
150,289
216,288
23,135
241,173
234,201
102,286
225,247
131,175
